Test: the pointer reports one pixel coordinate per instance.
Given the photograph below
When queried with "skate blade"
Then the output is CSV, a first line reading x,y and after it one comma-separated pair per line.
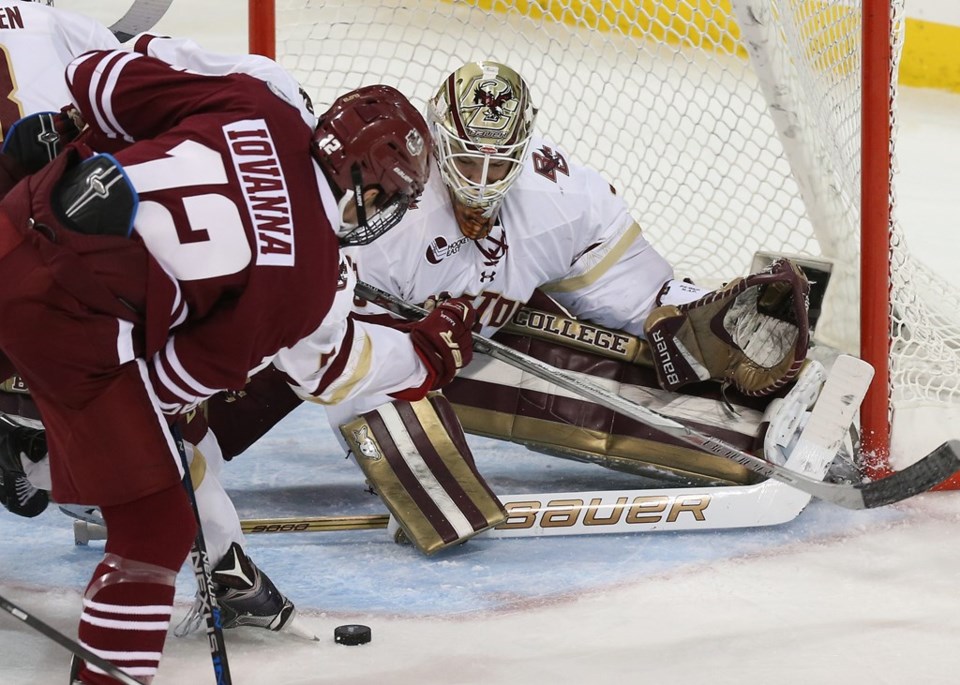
x,y
295,628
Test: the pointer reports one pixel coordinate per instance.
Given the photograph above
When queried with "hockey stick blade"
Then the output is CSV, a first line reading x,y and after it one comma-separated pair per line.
x,y
850,496
142,16
930,471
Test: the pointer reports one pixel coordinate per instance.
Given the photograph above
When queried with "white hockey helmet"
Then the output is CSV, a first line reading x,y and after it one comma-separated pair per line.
x,y
482,120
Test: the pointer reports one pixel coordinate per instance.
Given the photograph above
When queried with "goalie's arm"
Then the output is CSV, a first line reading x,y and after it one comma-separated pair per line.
x,y
615,273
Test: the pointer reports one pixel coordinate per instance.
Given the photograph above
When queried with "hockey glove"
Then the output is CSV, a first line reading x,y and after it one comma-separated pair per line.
x,y
38,138
442,341
752,333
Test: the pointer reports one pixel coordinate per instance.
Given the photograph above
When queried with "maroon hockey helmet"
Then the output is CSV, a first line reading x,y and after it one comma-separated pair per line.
x,y
373,137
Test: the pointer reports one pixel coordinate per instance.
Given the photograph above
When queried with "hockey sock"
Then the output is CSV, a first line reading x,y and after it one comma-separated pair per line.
x,y
128,603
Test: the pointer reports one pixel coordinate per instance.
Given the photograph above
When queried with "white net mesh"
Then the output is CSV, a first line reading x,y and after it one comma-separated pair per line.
x,y
729,127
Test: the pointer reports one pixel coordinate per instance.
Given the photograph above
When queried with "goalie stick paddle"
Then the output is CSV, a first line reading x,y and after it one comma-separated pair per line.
x,y
835,399
64,641
766,503
142,16
934,468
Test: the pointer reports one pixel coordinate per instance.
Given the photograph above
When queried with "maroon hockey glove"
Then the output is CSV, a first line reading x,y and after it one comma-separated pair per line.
x,y
442,341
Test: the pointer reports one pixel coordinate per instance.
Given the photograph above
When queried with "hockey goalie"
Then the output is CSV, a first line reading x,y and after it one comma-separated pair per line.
x,y
499,223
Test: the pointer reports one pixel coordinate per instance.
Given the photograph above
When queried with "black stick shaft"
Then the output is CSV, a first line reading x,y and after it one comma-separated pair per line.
x,y
201,569
64,641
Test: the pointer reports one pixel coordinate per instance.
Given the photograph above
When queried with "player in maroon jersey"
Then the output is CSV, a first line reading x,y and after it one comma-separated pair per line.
x,y
38,43
140,284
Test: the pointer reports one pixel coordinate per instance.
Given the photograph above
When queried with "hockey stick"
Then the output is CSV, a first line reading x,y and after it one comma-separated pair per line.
x,y
142,16
568,513
201,569
64,641
649,510
935,467
88,526
314,524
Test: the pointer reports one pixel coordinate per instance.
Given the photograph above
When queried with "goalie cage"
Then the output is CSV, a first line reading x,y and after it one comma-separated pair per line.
x,y
730,128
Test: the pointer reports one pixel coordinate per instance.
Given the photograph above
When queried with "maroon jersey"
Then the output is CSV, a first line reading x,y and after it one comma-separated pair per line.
x,y
232,207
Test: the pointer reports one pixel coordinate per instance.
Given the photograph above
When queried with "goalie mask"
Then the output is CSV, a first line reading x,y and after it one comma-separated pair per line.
x,y
482,121
373,138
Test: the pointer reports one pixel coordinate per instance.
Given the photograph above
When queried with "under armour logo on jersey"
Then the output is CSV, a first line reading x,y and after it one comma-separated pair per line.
x,y
484,276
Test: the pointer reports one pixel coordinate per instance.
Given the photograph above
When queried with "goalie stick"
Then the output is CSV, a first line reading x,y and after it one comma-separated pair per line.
x,y
142,16
649,510
64,641
932,469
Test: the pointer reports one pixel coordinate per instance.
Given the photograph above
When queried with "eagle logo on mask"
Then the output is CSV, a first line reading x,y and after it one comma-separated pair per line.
x,y
492,101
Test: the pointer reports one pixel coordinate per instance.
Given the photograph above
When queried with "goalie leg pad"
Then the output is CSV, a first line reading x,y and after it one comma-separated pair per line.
x,y
416,457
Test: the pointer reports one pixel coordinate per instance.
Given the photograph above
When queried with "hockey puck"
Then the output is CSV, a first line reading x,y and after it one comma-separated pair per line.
x,y
352,634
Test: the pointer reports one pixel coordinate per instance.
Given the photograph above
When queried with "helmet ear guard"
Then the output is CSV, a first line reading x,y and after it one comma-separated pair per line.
x,y
482,121
373,138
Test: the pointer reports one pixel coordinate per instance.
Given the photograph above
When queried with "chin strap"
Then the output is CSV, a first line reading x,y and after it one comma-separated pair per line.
x,y
357,177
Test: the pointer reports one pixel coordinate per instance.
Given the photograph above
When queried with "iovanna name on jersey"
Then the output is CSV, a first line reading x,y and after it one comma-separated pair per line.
x,y
264,189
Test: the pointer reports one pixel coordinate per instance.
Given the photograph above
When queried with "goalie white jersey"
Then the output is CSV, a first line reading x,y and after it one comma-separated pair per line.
x,y
561,228
36,44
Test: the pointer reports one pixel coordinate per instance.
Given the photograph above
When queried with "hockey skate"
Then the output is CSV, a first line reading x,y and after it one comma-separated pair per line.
x,y
246,597
17,493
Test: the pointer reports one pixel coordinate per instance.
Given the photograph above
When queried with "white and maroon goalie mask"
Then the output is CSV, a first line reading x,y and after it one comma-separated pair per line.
x,y
482,121
373,137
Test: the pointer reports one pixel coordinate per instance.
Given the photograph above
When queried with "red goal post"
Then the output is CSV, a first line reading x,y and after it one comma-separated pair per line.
x,y
730,126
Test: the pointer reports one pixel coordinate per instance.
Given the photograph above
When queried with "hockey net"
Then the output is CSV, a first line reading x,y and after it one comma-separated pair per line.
x,y
730,127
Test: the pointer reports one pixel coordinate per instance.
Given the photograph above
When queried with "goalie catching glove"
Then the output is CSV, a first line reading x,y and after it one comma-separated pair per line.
x,y
752,333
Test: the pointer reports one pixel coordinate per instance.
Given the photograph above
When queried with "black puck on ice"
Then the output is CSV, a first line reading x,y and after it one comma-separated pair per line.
x,y
352,634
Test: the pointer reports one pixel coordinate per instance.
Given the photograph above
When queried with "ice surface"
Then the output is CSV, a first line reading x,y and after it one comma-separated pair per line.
x,y
833,597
